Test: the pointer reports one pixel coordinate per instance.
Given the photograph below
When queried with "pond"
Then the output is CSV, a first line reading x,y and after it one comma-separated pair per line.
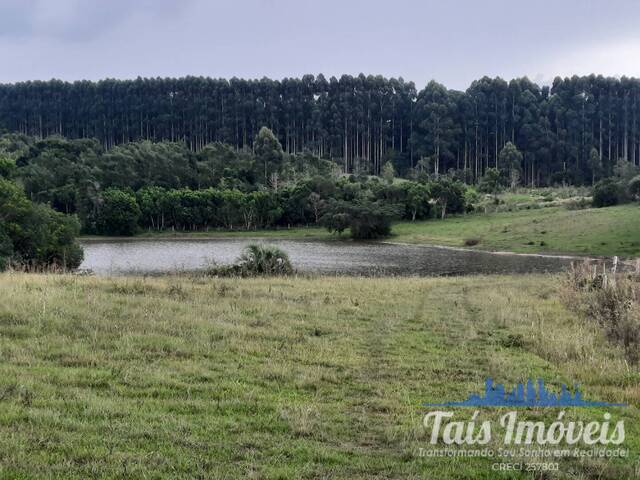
x,y
154,256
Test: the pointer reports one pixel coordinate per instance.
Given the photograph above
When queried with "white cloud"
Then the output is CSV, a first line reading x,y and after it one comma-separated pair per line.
x,y
615,58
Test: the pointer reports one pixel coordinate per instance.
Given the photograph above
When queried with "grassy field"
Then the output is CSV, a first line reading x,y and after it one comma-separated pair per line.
x,y
597,231
179,377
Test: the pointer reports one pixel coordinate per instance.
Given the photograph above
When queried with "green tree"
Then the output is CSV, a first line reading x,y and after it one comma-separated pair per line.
x,y
118,213
595,164
145,163
267,208
152,203
316,204
491,182
33,234
448,194
269,154
436,129
51,239
14,210
388,172
7,167
366,219
370,220
417,202
336,220
510,159
219,165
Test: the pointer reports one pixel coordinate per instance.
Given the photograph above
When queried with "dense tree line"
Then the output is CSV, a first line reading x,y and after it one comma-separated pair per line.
x,y
360,122
165,185
365,205
359,119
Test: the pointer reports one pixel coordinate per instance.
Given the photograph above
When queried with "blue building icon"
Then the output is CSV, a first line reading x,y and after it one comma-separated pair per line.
x,y
495,395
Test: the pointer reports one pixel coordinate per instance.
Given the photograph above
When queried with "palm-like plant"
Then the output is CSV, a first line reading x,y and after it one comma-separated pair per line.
x,y
264,260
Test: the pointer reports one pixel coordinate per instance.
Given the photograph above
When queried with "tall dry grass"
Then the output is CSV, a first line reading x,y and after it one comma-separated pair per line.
x,y
610,297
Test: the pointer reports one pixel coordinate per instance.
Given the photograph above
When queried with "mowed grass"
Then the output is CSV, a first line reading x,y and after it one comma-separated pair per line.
x,y
597,231
179,377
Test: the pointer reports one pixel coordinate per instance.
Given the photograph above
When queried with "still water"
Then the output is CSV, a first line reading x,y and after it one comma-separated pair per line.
x,y
127,257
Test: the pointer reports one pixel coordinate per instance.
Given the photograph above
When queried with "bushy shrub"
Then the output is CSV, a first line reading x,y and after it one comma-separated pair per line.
x,y
492,182
370,220
366,220
257,260
33,235
52,240
634,187
471,199
7,167
336,221
606,193
265,260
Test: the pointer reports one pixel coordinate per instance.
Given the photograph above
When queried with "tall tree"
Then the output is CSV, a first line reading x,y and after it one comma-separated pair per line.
x,y
269,154
510,160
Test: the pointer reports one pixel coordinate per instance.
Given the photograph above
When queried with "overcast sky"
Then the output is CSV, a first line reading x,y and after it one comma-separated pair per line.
x,y
451,41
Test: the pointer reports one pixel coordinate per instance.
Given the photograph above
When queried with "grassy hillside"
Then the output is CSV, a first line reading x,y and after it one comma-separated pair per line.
x,y
280,378
598,231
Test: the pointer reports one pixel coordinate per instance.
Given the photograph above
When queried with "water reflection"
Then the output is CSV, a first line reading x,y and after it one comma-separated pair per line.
x,y
125,257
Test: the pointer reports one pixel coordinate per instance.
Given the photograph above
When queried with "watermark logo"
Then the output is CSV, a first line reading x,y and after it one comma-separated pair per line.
x,y
446,428
517,440
496,395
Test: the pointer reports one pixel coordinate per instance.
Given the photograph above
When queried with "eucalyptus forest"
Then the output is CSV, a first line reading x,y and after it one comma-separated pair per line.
x,y
360,122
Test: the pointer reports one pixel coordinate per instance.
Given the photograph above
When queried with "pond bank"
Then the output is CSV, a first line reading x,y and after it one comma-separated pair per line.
x,y
556,231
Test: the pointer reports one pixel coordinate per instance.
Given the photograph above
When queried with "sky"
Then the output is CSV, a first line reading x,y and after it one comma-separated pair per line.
x,y
453,42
